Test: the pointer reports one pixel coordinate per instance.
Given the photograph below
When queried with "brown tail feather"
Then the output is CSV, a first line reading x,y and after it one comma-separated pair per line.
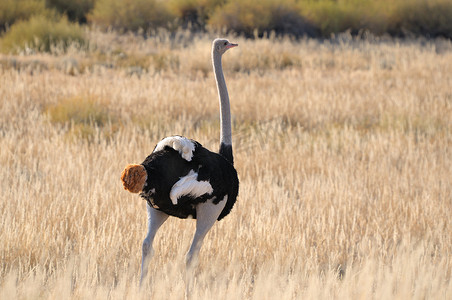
x,y
133,178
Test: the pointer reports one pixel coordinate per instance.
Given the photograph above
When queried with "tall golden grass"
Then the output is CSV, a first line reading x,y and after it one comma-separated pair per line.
x,y
343,151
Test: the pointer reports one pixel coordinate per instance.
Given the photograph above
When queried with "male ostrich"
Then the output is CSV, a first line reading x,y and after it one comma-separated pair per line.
x,y
183,179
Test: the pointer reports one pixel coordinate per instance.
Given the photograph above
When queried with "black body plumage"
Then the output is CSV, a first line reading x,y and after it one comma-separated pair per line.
x,y
165,167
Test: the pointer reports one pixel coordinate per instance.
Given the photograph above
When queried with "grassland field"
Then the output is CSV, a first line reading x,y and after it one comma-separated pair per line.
x,y
343,149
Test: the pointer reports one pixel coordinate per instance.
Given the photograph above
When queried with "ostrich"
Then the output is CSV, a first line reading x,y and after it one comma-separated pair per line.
x,y
183,179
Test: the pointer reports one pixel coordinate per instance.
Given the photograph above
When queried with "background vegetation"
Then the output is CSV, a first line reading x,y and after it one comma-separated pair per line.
x,y
75,10
314,18
343,149
41,33
12,11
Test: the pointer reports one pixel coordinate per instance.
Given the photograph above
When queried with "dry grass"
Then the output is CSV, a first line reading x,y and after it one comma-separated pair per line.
x,y
344,157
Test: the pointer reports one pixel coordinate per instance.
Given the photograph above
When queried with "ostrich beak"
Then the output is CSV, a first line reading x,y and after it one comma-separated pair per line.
x,y
231,46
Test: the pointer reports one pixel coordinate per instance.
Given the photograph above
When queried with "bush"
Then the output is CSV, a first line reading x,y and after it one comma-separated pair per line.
x,y
419,17
334,17
422,17
194,13
12,11
245,17
131,15
76,10
42,34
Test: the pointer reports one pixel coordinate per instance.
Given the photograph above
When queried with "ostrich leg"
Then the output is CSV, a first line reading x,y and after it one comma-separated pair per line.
x,y
206,214
155,220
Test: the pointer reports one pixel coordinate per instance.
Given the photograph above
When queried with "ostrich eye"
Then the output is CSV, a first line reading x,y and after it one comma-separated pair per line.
x,y
225,43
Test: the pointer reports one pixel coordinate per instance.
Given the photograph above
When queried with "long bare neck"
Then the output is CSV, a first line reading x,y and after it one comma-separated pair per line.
x,y
225,110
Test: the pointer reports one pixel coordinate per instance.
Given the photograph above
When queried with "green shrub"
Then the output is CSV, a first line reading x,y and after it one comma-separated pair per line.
x,y
332,16
76,10
193,12
422,17
125,15
339,16
42,34
12,11
264,16
419,17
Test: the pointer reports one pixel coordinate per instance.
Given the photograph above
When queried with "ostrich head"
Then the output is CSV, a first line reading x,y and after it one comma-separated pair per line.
x,y
220,46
